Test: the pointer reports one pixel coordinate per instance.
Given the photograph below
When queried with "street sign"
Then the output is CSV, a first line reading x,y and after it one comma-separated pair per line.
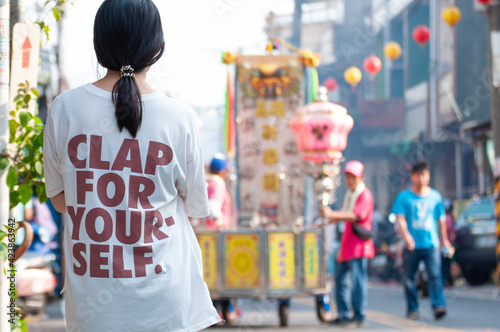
x,y
25,55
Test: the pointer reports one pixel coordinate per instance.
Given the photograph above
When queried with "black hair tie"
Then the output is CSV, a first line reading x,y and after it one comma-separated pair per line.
x,y
127,71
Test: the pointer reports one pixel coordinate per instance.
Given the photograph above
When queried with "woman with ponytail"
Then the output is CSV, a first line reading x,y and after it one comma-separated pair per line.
x,y
124,163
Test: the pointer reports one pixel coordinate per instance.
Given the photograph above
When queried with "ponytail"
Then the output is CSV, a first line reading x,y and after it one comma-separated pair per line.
x,y
128,102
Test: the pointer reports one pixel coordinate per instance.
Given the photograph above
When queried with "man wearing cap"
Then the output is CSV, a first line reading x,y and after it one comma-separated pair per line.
x,y
218,196
354,251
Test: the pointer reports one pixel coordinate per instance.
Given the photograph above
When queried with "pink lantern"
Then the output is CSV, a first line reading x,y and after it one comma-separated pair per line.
x,y
321,129
372,65
330,83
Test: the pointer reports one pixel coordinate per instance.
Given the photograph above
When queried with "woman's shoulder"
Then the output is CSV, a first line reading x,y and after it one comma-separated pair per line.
x,y
172,108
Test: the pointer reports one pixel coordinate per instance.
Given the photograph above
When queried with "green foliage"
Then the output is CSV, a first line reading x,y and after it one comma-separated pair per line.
x,y
57,11
23,157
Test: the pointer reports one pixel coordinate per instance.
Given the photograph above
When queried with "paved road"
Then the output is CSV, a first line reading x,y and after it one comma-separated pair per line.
x,y
469,309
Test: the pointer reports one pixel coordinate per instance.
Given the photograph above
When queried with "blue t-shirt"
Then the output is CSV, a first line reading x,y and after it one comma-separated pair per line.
x,y
422,215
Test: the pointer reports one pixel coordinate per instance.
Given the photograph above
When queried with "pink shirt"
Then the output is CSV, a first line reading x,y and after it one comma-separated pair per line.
x,y
351,246
217,191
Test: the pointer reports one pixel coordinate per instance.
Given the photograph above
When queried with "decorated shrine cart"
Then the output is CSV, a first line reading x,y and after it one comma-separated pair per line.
x,y
264,264
286,160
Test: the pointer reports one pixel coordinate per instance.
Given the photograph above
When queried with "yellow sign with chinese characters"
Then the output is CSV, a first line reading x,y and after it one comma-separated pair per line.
x,y
270,157
311,260
261,110
269,132
242,261
281,260
270,182
208,244
278,108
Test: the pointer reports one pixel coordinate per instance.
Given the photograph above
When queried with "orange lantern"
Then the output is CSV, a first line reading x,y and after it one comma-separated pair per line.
x,y
372,65
352,75
392,50
421,34
451,15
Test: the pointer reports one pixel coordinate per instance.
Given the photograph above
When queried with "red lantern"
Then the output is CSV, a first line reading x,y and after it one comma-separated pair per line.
x,y
330,83
421,34
484,2
372,65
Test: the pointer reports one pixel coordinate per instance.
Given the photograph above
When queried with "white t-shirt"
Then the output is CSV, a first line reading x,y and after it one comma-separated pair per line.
x,y
133,262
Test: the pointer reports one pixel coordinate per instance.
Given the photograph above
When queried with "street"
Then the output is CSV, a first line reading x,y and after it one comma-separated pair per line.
x,y
469,309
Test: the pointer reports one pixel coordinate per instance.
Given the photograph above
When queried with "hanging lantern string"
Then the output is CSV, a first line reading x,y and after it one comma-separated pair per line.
x,y
288,45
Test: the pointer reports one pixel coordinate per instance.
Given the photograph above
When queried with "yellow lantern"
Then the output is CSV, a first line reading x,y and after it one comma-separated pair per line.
x,y
352,75
451,15
392,50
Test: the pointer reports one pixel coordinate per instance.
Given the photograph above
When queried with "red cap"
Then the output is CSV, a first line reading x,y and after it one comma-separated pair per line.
x,y
355,168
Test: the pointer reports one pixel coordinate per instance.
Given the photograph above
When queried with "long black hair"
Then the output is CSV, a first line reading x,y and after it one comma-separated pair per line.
x,y
128,33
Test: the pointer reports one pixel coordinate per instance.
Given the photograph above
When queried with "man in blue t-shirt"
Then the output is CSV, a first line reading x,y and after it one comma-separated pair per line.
x,y
421,219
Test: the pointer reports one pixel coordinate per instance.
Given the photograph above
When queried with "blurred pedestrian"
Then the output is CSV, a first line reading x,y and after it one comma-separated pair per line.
x,y
220,219
446,257
218,195
125,163
421,220
356,246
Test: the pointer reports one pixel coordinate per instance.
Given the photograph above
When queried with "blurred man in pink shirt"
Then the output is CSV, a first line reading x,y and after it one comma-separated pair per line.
x,y
355,248
218,196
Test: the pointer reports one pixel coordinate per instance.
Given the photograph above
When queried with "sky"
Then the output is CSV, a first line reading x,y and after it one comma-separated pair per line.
x,y
196,34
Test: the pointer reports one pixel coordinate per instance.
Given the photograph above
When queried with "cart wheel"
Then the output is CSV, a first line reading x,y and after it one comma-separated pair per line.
x,y
284,311
323,309
227,314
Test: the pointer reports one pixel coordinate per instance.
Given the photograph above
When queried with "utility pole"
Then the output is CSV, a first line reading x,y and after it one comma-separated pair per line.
x,y
297,24
493,13
4,139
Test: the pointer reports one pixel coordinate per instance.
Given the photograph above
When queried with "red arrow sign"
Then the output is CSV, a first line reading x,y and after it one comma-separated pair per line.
x,y
26,53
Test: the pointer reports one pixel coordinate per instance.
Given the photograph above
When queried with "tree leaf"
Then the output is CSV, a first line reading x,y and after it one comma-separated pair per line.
x,y
24,118
25,192
27,99
19,104
14,199
55,11
26,152
39,139
11,178
13,125
39,167
37,120
4,252
35,92
18,97
40,190
4,163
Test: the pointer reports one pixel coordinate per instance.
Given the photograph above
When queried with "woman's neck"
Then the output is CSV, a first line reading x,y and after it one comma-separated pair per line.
x,y
112,76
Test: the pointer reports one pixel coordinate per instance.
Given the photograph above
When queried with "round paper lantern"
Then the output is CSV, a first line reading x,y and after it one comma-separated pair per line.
x,y
451,15
421,34
372,65
330,83
352,75
392,50
484,2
